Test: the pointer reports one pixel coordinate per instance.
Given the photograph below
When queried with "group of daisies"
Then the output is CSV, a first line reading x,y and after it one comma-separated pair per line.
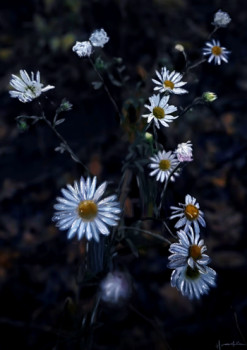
x,y
84,211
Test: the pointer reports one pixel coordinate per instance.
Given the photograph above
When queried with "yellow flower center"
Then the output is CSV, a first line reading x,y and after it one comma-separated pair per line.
x,y
191,212
158,112
168,84
165,164
87,210
195,252
216,50
192,273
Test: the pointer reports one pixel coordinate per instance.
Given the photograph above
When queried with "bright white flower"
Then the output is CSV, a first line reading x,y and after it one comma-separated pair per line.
x,y
189,251
27,88
189,214
115,288
221,19
83,49
99,38
184,152
160,111
191,283
163,164
170,82
215,52
83,212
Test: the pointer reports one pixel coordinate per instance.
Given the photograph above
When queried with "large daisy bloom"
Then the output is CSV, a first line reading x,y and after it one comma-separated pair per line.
x,y
99,38
170,82
27,88
163,164
215,52
83,49
184,152
221,19
189,251
160,111
82,210
189,215
191,283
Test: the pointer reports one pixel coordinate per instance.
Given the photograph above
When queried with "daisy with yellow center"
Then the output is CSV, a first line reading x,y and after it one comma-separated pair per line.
x,y
169,82
160,111
189,214
189,251
82,210
163,164
215,52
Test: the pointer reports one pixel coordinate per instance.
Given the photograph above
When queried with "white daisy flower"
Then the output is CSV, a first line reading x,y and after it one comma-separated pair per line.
x,y
27,89
189,214
163,164
99,38
191,283
215,52
115,288
189,251
221,19
83,212
170,82
160,111
83,49
184,152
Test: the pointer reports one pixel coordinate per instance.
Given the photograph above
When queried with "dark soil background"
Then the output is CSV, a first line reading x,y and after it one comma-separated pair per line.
x,y
42,296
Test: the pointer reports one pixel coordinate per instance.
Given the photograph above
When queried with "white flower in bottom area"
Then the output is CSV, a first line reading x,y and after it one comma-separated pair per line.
x,y
83,49
189,214
221,19
191,283
99,38
163,164
115,288
184,152
82,211
160,111
170,82
189,251
215,52
27,88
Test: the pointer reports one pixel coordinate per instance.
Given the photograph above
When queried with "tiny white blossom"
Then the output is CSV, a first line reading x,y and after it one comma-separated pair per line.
x,y
169,82
189,214
115,288
84,212
221,19
27,88
160,111
163,164
191,283
99,38
83,49
184,152
215,52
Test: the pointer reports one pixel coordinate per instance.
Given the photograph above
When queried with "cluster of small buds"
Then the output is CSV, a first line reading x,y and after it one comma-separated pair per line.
x,y
97,39
221,19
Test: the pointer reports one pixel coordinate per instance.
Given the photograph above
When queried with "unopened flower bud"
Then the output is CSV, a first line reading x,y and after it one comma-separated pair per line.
x,y
179,47
221,19
209,96
184,152
115,288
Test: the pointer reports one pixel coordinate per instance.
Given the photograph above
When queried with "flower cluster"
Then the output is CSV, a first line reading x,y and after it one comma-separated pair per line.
x,y
97,39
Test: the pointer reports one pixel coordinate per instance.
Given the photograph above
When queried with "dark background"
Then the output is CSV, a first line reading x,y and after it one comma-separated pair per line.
x,y
42,297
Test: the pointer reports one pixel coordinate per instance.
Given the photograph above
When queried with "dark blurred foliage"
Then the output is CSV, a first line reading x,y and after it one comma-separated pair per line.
x,y
42,297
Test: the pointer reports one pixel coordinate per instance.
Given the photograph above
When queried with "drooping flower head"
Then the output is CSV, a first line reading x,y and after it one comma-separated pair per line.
x,y
115,288
221,19
189,251
83,49
162,165
169,82
27,88
215,52
184,152
189,215
82,210
160,111
99,38
191,283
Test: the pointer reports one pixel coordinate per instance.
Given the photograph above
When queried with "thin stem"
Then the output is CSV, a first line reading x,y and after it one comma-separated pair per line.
x,y
147,232
196,64
162,220
212,33
196,101
106,89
